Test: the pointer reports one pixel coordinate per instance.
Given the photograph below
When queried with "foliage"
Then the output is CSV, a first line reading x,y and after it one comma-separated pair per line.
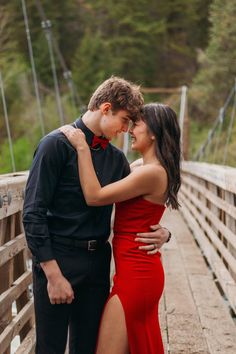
x,y
156,43
217,73
23,153
217,63
149,43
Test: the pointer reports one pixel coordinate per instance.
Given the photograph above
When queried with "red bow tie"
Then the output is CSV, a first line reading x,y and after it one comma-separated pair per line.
x,y
103,142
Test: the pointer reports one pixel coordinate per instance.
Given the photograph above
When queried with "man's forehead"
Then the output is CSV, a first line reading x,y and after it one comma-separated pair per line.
x,y
125,114
121,113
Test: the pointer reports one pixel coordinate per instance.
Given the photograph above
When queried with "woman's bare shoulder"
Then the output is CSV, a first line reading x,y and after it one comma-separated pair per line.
x,y
155,170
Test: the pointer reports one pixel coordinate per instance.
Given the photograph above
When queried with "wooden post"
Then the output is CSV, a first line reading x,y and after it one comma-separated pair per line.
x,y
183,113
183,122
186,133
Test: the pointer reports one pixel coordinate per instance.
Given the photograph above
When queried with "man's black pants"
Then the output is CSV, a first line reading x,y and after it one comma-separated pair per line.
x,y
89,274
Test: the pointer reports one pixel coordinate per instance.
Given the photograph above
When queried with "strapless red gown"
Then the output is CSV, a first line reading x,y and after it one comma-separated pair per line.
x,y
139,278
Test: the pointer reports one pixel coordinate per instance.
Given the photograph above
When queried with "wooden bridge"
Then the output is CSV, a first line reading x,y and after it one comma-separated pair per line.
x,y
198,307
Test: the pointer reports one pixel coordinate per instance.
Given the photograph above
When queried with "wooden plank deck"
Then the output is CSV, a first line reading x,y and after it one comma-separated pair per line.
x,y
194,316
195,319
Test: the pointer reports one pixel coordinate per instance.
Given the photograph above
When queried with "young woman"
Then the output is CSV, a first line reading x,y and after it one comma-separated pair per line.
x,y
130,319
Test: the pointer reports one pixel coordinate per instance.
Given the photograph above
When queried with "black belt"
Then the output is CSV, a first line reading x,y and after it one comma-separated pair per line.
x,y
90,245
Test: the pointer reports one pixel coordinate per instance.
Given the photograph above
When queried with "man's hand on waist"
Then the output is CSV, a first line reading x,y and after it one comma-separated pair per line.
x,y
154,240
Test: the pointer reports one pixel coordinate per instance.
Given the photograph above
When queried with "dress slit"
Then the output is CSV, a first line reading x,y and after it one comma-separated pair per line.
x,y
119,298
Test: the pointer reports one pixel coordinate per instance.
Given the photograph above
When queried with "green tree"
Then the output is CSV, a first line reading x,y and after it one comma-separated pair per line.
x,y
151,42
217,64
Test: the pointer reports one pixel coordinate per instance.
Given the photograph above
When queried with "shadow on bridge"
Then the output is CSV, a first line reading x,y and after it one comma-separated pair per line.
x,y
199,301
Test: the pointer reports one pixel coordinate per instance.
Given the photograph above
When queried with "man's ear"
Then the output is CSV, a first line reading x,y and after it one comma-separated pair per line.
x,y
105,107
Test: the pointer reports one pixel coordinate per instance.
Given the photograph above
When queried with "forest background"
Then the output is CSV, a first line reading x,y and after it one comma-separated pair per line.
x,y
155,43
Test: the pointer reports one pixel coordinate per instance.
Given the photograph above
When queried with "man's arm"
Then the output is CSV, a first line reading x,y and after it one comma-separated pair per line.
x,y
44,175
155,239
40,188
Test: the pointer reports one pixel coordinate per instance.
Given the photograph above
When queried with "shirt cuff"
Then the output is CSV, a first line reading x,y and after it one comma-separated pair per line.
x,y
43,254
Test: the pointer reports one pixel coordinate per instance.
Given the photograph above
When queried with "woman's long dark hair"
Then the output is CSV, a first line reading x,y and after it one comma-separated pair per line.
x,y
163,124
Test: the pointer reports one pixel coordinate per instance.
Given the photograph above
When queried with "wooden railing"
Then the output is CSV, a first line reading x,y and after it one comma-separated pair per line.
x,y
208,199
16,304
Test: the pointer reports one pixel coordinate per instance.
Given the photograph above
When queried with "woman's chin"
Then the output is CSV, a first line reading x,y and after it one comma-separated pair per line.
x,y
133,147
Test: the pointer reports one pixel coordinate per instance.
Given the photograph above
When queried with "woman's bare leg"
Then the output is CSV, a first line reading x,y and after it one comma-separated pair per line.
x,y
112,337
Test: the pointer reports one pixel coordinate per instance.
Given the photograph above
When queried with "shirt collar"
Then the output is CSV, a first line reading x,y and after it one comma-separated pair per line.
x,y
88,133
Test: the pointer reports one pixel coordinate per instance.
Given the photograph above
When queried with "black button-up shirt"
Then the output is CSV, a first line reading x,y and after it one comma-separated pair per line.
x,y
54,201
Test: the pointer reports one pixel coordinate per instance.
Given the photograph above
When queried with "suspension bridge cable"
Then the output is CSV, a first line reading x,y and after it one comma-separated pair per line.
x,y
221,119
230,128
220,127
66,72
218,122
7,125
228,99
211,135
74,100
46,25
35,80
208,147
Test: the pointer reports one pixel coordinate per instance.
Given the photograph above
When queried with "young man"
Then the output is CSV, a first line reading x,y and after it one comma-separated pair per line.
x,y
68,239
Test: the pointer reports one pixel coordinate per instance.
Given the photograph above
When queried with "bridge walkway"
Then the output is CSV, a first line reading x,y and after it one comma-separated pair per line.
x,y
195,318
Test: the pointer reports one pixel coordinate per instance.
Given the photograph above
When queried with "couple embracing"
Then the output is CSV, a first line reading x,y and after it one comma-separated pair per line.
x,y
76,177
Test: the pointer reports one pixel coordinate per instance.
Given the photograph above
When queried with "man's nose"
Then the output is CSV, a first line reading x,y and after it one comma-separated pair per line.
x,y
125,127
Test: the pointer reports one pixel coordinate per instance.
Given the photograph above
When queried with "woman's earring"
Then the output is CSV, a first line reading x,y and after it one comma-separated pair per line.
x,y
153,137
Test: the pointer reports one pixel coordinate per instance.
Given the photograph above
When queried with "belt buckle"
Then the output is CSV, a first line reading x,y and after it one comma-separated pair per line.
x,y
92,245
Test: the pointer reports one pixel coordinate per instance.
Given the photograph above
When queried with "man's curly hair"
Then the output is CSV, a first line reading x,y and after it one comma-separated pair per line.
x,y
122,94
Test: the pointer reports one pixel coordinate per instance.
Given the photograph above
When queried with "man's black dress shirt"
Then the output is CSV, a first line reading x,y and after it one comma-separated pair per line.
x,y
54,202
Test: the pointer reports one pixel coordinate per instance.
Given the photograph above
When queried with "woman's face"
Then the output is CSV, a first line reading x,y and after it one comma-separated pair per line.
x,y
140,136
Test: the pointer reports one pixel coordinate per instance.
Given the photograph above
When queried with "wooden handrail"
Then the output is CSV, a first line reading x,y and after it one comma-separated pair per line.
x,y
208,199
15,278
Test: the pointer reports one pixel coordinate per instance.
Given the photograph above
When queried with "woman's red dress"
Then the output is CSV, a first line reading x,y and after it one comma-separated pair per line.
x,y
139,278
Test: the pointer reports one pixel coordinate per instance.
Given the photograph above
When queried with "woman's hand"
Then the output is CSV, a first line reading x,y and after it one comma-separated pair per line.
x,y
75,136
